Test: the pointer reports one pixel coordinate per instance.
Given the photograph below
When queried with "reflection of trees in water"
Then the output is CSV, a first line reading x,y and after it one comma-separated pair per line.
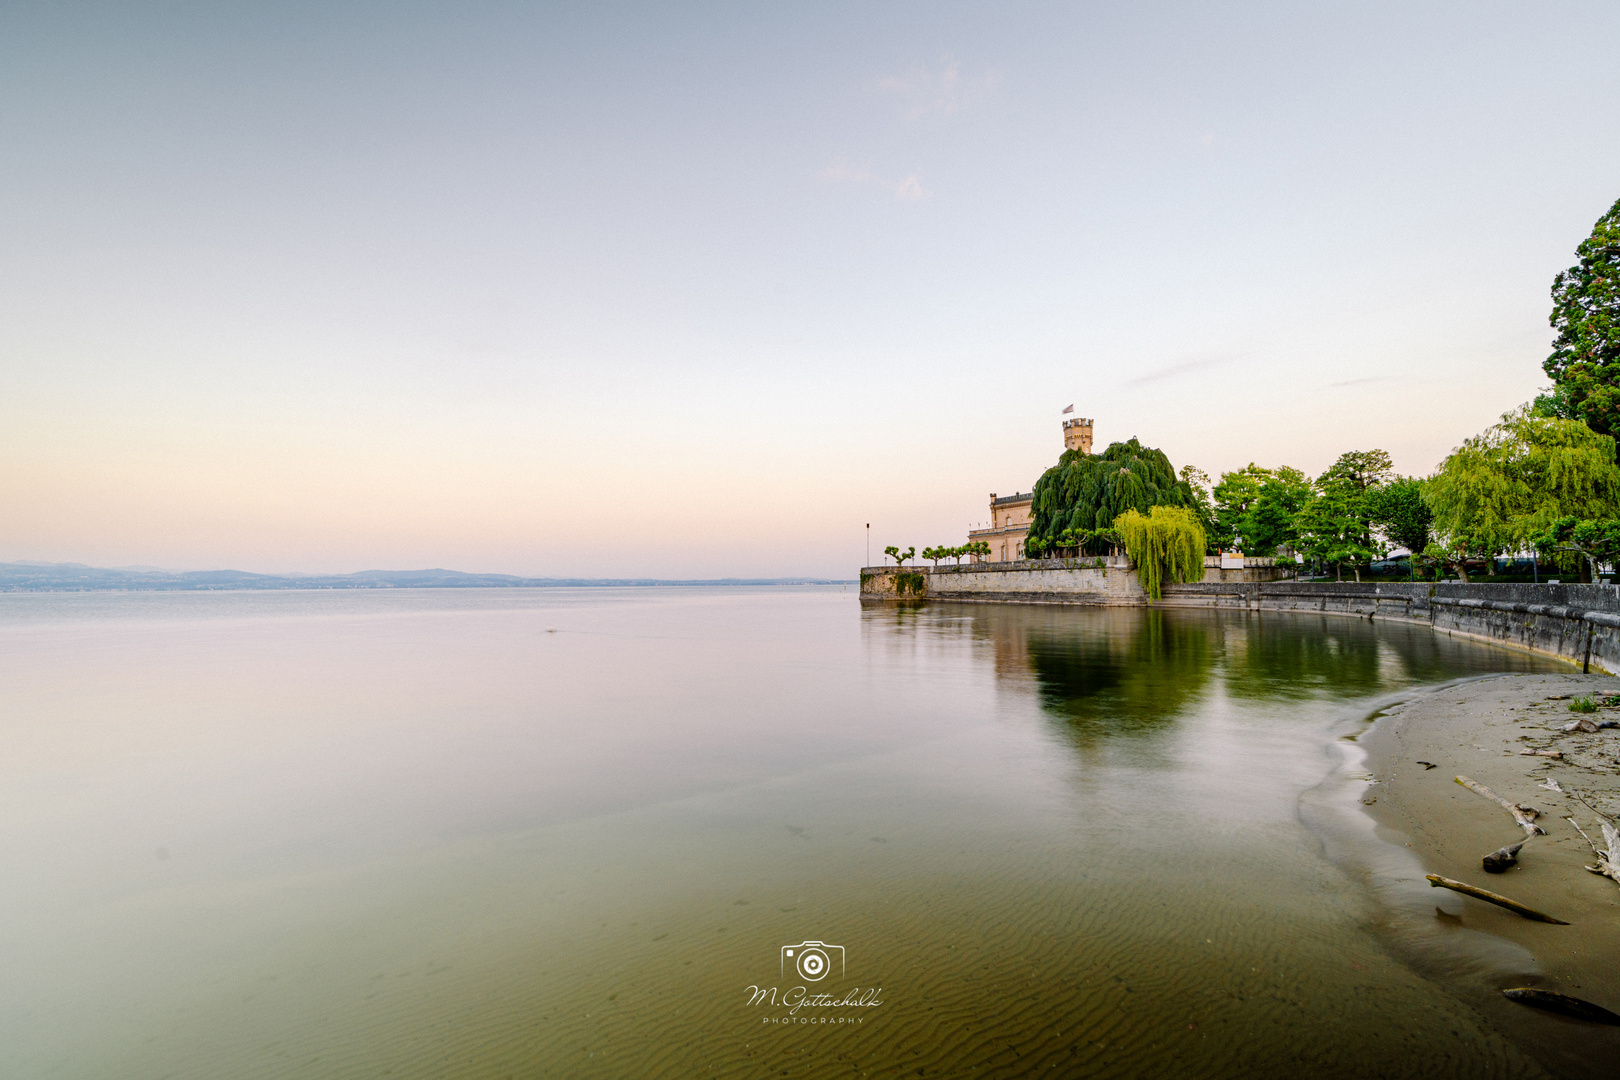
x,y
1123,671
1119,671
1302,656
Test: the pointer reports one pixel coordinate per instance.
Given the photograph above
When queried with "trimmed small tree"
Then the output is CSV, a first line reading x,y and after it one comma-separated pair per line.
x,y
1596,541
899,556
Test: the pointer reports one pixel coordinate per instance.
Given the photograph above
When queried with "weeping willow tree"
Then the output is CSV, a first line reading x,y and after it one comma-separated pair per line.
x,y
1518,477
1166,544
1083,493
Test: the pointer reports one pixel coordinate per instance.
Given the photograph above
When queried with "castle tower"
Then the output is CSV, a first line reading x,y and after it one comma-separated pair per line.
x,y
1077,435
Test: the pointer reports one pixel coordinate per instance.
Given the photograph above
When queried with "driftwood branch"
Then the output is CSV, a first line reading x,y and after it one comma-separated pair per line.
x,y
1601,816
1562,1004
1438,882
1524,815
1498,861
1604,866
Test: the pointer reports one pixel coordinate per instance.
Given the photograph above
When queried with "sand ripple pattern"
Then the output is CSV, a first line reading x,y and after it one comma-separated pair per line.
x,y
1004,976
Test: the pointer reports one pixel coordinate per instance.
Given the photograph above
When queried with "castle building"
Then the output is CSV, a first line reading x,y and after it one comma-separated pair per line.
x,y
1077,435
1009,525
1010,514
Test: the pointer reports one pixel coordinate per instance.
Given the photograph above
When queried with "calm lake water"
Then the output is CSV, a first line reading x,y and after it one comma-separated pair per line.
x,y
525,833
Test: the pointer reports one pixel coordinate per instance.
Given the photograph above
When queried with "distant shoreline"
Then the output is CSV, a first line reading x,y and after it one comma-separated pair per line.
x,y
75,577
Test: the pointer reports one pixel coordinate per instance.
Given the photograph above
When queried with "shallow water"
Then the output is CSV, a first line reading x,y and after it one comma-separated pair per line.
x,y
563,832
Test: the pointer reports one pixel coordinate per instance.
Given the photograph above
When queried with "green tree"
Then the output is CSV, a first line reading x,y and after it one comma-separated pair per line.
x,y
1274,520
1083,541
1167,544
1197,481
1519,476
1236,496
1361,469
1444,556
1354,477
1397,508
1585,361
1593,541
1333,527
899,556
1088,491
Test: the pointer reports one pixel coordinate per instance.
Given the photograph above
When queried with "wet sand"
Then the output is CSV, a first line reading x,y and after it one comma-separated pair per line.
x,y
1478,729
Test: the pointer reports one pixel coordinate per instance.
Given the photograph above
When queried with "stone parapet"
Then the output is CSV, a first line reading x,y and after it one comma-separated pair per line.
x,y
1104,580
1579,623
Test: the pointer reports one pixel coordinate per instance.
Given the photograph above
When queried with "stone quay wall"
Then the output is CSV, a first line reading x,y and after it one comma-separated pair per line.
x,y
1579,623
1107,579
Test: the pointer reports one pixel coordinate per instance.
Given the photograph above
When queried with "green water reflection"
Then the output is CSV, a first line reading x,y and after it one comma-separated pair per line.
x,y
1135,671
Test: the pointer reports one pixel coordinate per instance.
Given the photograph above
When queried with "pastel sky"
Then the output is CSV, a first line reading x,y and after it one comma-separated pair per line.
x,y
700,290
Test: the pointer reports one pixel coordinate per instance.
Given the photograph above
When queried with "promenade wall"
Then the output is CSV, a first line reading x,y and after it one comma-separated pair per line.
x,y
1108,579
1105,580
1579,623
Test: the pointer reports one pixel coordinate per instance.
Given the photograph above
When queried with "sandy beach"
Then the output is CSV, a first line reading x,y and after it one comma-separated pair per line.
x,y
1479,729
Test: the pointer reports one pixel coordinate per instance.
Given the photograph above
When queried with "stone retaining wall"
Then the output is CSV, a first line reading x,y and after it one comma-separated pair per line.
x,y
1103,580
1580,623
1107,579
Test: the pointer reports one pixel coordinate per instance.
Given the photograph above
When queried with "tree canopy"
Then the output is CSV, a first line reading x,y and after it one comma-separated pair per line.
x,y
1593,541
1197,481
1261,507
1086,492
1519,476
1236,496
1585,361
1166,544
1335,528
1398,508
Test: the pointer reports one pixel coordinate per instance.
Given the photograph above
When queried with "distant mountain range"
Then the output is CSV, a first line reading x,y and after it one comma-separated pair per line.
x,y
73,577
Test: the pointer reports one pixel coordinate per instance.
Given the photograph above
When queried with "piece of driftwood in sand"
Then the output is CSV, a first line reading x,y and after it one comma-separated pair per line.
x,y
1498,861
1438,882
1606,864
1562,1004
1541,753
1524,815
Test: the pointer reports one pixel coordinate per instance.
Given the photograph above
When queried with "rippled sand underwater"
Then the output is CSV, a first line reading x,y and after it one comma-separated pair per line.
x,y
564,832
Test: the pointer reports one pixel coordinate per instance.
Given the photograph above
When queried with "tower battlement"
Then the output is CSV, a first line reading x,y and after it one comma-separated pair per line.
x,y
1077,435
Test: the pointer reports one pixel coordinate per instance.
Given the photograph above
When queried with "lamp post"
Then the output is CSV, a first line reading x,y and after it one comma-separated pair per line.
x,y
868,543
